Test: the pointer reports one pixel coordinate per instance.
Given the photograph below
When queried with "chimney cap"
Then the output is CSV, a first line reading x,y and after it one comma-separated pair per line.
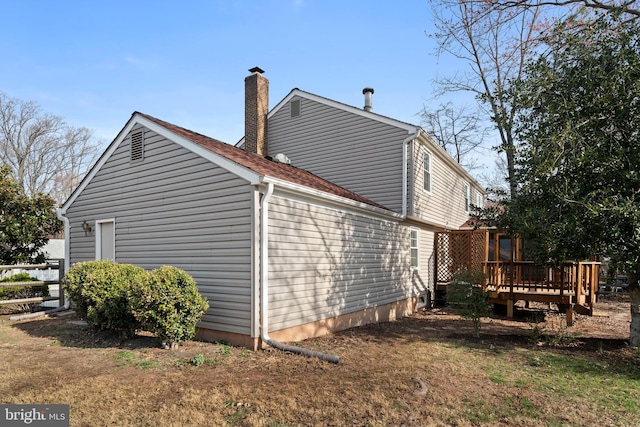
x,y
367,89
256,70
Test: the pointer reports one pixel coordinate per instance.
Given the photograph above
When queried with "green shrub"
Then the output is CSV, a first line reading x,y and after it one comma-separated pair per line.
x,y
467,296
100,291
13,292
20,277
169,305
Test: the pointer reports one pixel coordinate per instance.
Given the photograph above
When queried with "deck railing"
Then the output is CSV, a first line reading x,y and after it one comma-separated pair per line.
x,y
577,278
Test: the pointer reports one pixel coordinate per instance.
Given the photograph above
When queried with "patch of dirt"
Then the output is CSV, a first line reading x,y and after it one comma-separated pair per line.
x,y
423,370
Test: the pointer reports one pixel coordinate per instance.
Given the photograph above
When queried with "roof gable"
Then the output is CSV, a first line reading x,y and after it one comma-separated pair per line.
x,y
411,129
339,105
249,166
265,167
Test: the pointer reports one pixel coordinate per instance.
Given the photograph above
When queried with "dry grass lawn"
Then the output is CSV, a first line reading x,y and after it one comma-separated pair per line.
x,y
425,370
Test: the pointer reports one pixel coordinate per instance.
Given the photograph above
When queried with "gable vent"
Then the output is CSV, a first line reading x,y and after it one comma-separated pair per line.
x,y
137,146
295,108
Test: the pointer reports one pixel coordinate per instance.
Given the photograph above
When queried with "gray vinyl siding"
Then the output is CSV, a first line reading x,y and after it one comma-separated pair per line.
x,y
355,152
175,208
444,205
325,262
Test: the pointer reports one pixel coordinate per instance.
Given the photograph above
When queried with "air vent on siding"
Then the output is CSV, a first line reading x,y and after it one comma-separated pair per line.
x,y
295,108
137,146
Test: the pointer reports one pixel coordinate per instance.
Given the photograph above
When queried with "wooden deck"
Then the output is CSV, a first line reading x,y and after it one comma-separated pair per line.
x,y
570,285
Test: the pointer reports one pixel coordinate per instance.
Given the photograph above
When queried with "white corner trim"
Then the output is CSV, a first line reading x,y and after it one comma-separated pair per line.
x,y
405,169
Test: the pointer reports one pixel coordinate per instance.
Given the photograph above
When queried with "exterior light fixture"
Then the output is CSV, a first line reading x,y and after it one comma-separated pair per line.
x,y
86,228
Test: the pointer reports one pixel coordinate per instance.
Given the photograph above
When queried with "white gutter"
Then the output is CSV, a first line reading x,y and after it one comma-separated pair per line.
x,y
405,167
324,196
264,286
67,233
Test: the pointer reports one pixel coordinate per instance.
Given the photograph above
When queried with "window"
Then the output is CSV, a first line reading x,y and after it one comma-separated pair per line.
x,y
467,198
137,146
295,108
426,167
479,200
415,261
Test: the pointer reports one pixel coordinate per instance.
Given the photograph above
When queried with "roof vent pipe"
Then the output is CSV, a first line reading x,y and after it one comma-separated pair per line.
x,y
367,92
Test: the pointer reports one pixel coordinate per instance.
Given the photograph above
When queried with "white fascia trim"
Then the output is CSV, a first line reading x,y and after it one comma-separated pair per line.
x,y
341,106
219,160
322,198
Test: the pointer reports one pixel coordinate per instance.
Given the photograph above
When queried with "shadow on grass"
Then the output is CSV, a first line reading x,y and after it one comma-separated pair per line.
x,y
69,331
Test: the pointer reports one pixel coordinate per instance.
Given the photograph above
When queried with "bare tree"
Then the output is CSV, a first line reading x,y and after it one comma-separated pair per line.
x,y
45,154
458,131
630,8
496,181
492,46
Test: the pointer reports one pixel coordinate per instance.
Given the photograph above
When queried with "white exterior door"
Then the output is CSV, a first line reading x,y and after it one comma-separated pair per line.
x,y
106,239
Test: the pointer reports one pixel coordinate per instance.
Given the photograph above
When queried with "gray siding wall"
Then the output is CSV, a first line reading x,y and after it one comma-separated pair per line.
x,y
444,205
325,262
175,208
357,153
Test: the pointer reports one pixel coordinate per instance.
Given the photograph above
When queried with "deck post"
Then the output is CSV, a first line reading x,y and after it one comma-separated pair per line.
x,y
569,314
510,308
580,299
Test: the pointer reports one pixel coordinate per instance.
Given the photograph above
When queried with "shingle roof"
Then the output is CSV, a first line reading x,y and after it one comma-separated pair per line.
x,y
263,166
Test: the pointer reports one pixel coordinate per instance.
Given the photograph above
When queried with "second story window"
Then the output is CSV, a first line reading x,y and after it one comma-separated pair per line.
x,y
479,200
467,198
426,168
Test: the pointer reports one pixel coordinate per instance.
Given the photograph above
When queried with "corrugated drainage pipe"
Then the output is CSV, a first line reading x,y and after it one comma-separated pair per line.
x,y
303,351
264,292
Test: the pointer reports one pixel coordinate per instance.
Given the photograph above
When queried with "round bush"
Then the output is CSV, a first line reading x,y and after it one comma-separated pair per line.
x,y
169,305
100,291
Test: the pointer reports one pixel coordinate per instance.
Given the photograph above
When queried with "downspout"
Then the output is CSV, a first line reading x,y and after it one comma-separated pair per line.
x,y
405,167
67,234
264,288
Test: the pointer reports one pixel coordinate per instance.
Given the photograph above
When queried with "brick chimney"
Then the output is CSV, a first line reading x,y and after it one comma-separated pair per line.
x,y
256,107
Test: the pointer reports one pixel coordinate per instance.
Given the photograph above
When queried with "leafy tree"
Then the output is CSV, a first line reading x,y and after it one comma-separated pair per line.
x,y
579,159
25,222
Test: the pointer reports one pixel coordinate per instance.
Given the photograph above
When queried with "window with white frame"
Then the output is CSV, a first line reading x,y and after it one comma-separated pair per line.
x,y
479,200
426,168
415,255
467,198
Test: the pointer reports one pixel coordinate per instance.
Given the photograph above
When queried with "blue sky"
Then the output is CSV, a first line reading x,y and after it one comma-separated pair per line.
x,y
96,62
